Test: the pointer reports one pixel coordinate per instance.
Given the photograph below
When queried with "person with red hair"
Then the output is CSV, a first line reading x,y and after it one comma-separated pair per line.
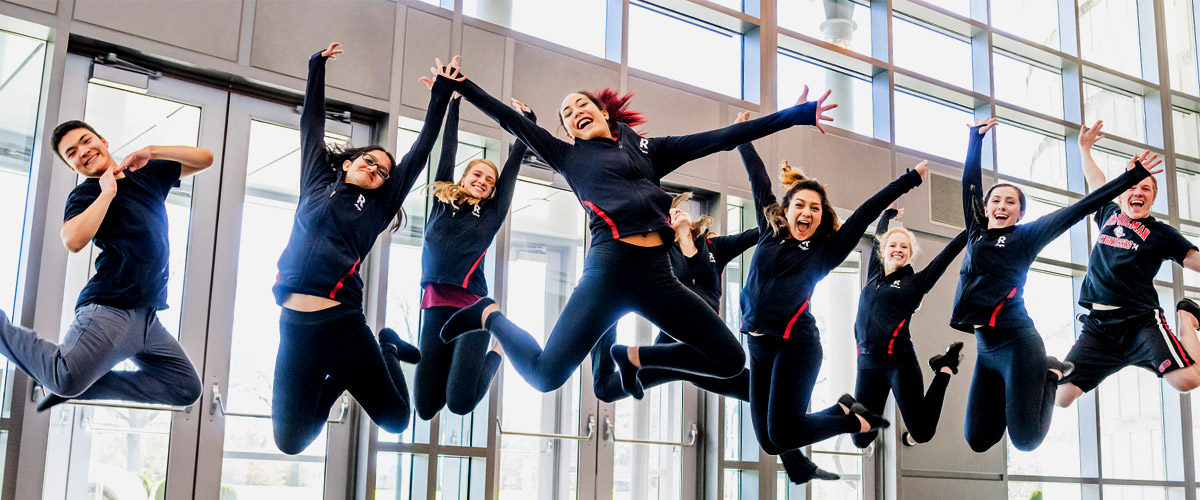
x,y
615,173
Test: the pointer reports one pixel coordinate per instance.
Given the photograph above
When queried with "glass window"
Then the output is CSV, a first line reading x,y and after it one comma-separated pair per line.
x,y
1108,34
1033,20
1187,188
932,53
852,93
1181,45
961,7
848,25
1187,132
1049,300
1123,113
1039,203
578,24
685,49
1057,491
1030,86
932,127
1032,156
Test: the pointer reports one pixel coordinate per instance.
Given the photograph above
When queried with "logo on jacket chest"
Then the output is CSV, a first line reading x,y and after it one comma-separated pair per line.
x,y
362,200
475,211
1000,242
804,245
896,284
644,145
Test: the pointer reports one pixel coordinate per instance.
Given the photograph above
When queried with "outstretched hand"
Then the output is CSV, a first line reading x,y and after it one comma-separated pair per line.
x,y
741,117
452,71
332,51
899,211
1149,162
135,160
985,125
821,107
923,171
1090,136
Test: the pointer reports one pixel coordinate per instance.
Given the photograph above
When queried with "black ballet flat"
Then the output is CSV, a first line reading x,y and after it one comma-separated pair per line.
x,y
1189,306
466,320
875,421
50,401
1064,367
391,343
628,372
949,359
801,470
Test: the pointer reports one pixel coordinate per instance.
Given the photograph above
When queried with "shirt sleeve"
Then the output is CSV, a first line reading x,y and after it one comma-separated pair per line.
x,y
315,170
926,278
81,198
1045,229
506,185
165,173
405,173
445,170
760,185
727,248
874,265
842,242
1177,245
542,142
1105,212
972,180
669,153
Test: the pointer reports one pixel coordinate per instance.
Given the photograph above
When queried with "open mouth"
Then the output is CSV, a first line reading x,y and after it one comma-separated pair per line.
x,y
898,256
1137,203
583,123
480,188
1001,217
802,226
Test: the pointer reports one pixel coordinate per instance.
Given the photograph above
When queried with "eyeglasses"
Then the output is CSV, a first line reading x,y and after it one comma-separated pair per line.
x,y
373,164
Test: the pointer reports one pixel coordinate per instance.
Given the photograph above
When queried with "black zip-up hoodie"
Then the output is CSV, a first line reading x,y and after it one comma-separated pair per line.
x,y
701,272
337,223
991,283
456,239
617,180
784,271
887,302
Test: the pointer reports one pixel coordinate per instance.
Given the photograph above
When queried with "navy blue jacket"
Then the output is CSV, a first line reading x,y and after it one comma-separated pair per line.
x,y
617,180
701,272
336,223
784,271
456,239
888,301
991,283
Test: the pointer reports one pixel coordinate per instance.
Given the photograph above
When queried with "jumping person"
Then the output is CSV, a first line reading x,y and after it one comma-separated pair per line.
x,y
1014,381
800,242
122,209
461,225
1125,325
887,362
347,197
615,174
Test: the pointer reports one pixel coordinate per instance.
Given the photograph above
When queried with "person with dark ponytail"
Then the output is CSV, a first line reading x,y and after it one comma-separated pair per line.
x,y
800,242
615,173
1014,382
347,197
887,361
461,225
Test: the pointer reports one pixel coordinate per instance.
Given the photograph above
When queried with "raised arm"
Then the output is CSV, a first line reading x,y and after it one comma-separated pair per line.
x,y
727,248
445,170
972,177
760,184
542,142
1091,171
314,166
80,224
845,239
1046,228
926,278
192,160
507,183
406,171
874,265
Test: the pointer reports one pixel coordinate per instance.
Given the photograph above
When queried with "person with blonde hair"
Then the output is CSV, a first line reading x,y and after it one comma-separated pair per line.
x,y
887,361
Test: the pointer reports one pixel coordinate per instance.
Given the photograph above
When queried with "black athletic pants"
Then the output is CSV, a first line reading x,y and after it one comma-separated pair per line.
x,y
322,354
607,382
455,375
619,278
782,375
903,378
1012,388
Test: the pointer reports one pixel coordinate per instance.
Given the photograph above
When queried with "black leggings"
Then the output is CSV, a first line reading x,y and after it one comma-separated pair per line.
x,y
920,411
620,278
1011,388
782,376
455,375
322,354
607,382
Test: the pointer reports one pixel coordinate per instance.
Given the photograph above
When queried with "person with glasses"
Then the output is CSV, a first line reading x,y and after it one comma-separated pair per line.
x,y
121,208
462,224
347,197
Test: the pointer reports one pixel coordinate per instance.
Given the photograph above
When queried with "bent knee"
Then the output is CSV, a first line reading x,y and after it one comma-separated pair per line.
x,y
461,406
732,366
67,387
1185,379
1066,395
396,424
188,393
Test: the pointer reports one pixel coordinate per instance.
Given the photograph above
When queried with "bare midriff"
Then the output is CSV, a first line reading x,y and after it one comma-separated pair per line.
x,y
308,303
644,240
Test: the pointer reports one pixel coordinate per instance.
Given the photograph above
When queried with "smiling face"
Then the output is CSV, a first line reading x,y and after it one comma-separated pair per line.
x,y
85,152
368,170
480,179
1136,201
583,119
804,212
1003,207
897,250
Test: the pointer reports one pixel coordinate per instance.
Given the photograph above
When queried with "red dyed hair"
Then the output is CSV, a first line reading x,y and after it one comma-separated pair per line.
x,y
618,108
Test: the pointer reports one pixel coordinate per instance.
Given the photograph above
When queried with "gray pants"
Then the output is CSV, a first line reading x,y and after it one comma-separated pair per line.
x,y
101,337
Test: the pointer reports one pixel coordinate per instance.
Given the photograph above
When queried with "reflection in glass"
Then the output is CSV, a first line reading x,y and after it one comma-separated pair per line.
x,y
913,46
851,93
844,23
546,19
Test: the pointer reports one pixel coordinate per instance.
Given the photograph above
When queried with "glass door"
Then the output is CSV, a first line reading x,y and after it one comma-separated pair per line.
x,y
112,449
260,190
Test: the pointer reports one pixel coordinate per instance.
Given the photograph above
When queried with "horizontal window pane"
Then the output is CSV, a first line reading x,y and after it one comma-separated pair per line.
x,y
1033,20
548,20
732,4
932,127
851,93
1108,34
1031,156
1027,85
740,484
1112,492
685,49
1122,112
846,24
1056,491
1181,45
962,7
931,53
1187,187
1187,132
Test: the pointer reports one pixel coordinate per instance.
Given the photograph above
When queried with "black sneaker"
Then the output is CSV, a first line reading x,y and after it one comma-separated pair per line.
x,y
1064,367
847,401
1189,306
801,470
875,421
949,359
391,343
